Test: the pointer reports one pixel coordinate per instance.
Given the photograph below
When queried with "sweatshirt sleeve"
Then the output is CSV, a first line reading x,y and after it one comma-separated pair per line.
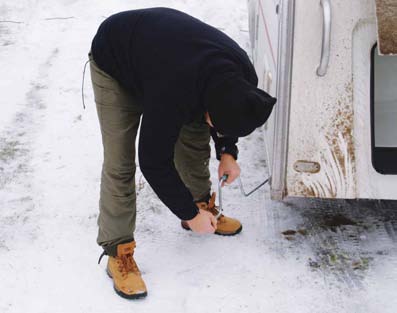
x,y
224,145
159,132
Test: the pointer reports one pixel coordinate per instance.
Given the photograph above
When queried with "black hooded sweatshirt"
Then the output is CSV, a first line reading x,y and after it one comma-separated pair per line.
x,y
167,59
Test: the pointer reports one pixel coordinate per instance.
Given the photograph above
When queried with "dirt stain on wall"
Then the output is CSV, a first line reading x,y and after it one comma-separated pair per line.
x,y
336,152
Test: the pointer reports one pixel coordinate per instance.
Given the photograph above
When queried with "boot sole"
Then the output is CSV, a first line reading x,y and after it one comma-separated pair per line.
x,y
124,295
217,233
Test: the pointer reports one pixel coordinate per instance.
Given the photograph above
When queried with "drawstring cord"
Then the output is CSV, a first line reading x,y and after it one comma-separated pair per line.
x,y
82,83
101,256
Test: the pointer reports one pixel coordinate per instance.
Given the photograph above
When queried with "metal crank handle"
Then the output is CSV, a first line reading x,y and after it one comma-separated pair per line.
x,y
247,194
220,208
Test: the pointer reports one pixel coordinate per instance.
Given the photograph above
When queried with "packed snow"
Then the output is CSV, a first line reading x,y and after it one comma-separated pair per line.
x,y
305,257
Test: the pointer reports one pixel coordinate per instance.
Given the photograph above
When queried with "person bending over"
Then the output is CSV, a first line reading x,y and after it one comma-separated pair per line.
x,y
183,82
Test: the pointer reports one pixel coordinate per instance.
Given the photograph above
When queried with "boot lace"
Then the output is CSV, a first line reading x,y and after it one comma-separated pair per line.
x,y
211,207
127,264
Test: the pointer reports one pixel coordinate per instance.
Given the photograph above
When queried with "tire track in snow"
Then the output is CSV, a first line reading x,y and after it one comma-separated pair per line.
x,y
16,170
352,245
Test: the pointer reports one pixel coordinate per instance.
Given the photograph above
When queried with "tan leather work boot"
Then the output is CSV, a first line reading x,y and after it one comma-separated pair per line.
x,y
127,280
226,226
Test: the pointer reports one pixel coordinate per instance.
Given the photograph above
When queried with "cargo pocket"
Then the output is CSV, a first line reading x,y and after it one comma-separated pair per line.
x,y
105,95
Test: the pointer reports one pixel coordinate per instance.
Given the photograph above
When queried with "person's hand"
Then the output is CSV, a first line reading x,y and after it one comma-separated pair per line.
x,y
203,223
228,166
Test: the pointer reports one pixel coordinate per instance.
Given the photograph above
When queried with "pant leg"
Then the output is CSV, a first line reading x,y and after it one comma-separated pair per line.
x,y
119,116
192,155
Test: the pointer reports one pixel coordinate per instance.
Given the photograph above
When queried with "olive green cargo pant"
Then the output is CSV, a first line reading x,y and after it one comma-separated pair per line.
x,y
119,116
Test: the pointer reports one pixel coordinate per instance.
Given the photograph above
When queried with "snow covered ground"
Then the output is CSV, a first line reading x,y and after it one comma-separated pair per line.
x,y
329,259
